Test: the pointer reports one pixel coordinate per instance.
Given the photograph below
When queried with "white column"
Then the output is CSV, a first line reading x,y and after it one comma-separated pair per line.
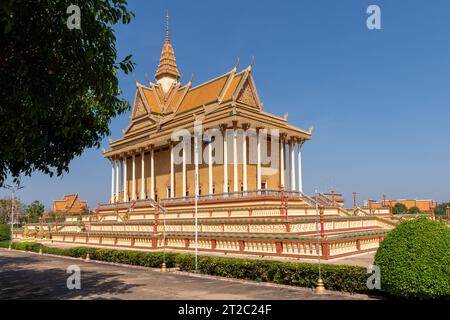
x,y
142,175
282,155
133,178
235,160
292,164
258,161
210,167
152,173
112,180
299,156
184,168
172,173
124,168
225,162
244,161
117,194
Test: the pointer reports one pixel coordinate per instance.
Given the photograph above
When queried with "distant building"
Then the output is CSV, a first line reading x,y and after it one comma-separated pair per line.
x,y
70,204
423,205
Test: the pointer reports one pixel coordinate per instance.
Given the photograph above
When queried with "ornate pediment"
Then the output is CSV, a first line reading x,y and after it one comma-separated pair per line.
x,y
247,95
139,108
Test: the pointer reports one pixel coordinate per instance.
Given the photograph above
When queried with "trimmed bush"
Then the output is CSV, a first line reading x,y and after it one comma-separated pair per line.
x,y
5,232
414,260
335,277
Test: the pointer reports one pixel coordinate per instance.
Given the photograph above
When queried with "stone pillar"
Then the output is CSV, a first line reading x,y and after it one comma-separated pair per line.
x,y
322,229
244,161
210,167
225,161
282,156
116,198
142,175
172,172
133,178
299,158
112,180
124,168
152,173
292,164
258,160
183,183
235,160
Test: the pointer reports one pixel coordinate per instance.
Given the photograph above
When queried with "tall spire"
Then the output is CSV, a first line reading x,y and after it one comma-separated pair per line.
x,y
167,26
167,71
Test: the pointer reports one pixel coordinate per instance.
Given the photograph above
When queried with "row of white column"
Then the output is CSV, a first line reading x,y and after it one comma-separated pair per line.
x,y
117,185
120,166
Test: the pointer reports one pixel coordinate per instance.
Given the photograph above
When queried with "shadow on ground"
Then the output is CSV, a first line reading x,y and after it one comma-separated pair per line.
x,y
18,282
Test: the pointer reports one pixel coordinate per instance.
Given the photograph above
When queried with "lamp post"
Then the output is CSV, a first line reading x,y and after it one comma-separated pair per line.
x,y
320,288
196,195
13,190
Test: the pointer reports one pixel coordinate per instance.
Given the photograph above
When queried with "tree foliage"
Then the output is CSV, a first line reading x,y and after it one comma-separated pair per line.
x,y
414,210
34,211
59,86
441,209
5,209
399,208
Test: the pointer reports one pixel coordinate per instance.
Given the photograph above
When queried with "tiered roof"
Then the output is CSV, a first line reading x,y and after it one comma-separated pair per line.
x,y
70,203
162,107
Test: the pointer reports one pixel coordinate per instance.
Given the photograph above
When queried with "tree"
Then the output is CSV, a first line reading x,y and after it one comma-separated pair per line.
x,y
59,86
34,211
441,209
55,216
5,210
399,208
414,210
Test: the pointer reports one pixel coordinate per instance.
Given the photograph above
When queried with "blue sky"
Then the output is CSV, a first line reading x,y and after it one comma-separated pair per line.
x,y
378,99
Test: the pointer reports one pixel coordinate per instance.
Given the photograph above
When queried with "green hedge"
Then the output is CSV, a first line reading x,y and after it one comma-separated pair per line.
x,y
5,233
336,277
414,260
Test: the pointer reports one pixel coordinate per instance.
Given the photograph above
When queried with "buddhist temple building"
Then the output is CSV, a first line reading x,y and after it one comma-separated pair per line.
x,y
204,167
142,160
70,204
423,205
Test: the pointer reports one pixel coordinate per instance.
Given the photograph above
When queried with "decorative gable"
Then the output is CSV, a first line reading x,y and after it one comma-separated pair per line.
x,y
139,109
248,95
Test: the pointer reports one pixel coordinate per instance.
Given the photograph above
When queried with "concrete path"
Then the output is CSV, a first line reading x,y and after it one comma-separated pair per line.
x,y
25,275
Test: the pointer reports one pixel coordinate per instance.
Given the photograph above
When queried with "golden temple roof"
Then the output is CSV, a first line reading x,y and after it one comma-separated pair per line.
x,y
70,203
167,64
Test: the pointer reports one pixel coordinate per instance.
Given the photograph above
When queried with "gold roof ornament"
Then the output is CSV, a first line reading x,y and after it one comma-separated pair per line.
x,y
167,64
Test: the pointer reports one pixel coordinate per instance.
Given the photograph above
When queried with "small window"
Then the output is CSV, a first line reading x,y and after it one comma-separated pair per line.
x,y
168,192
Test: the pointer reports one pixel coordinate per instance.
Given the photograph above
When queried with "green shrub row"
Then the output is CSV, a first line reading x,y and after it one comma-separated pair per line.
x,y
5,233
336,277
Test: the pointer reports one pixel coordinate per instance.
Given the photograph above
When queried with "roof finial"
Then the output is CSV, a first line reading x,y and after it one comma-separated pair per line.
x,y
167,24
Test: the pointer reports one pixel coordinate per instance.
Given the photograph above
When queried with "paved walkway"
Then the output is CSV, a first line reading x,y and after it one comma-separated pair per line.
x,y
25,275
